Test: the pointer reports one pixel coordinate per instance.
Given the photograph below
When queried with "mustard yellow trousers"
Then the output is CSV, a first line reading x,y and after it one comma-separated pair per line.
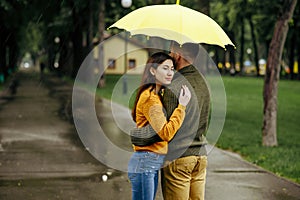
x,y
184,178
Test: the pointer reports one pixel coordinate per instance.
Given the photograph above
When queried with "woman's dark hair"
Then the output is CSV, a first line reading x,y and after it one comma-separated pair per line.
x,y
148,79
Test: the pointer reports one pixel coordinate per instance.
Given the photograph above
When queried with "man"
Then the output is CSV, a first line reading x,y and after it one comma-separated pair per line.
x,y
184,174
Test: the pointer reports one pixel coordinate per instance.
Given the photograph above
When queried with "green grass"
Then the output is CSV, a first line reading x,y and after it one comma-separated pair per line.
x,y
242,130
243,124
114,89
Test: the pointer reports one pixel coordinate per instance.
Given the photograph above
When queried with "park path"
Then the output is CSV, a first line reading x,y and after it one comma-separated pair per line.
x,y
41,156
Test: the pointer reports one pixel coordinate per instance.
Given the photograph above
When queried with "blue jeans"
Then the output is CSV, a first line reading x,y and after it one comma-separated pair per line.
x,y
143,169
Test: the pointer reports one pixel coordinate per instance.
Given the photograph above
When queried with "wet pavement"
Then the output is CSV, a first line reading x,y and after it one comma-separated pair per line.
x,y
42,156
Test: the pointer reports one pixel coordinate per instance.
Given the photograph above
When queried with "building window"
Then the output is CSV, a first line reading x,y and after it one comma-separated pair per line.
x,y
111,63
132,63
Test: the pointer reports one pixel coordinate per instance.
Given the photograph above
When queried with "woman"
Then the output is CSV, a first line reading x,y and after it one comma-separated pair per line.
x,y
146,161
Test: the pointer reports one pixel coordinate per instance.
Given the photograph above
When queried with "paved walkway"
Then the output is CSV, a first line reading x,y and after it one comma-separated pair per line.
x,y
41,156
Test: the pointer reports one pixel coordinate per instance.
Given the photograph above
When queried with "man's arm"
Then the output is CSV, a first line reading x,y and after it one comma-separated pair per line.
x,y
144,136
170,100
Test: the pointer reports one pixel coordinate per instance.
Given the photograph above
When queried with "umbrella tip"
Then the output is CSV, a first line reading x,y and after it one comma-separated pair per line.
x,y
177,2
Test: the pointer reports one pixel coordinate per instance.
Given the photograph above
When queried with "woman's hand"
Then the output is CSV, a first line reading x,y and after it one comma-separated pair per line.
x,y
184,96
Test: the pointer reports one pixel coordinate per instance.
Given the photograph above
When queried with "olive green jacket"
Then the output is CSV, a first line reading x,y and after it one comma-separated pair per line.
x,y
190,138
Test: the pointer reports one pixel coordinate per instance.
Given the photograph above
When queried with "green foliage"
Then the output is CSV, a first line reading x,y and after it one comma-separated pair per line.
x,y
37,23
5,5
32,38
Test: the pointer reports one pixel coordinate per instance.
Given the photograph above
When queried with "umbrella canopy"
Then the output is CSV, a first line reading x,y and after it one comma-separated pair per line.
x,y
174,22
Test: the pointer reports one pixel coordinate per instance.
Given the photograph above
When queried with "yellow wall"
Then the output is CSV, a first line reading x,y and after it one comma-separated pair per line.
x,y
114,48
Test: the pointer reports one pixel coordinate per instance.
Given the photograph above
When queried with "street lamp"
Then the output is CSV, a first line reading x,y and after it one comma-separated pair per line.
x,y
125,4
57,54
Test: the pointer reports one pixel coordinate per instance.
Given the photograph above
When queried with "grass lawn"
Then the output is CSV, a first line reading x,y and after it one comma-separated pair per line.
x,y
242,129
114,89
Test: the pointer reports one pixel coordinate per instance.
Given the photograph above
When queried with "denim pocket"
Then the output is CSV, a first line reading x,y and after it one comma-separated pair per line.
x,y
132,176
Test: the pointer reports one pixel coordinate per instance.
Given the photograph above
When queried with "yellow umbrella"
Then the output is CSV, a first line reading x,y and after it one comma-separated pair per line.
x,y
174,22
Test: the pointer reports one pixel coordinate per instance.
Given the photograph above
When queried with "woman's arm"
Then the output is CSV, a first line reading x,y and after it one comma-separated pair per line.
x,y
157,119
153,111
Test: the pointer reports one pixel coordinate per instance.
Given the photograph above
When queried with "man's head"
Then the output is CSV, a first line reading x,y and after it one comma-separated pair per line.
x,y
184,54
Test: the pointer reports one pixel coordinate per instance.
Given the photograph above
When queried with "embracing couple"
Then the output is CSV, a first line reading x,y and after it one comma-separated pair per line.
x,y
171,112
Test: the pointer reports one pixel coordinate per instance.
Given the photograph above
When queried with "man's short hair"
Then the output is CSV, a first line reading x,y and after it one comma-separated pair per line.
x,y
187,50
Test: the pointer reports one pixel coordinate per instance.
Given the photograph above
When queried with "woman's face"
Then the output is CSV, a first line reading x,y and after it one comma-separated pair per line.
x,y
164,72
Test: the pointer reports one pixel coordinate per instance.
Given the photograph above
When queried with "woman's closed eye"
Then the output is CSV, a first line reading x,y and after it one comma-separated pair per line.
x,y
169,68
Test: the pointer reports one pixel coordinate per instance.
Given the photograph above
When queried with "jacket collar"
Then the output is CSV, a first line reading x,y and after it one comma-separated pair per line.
x,y
188,69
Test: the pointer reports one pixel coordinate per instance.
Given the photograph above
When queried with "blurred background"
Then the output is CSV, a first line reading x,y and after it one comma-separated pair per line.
x,y
61,33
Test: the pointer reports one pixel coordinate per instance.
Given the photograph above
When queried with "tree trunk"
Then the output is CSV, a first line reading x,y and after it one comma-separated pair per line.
x,y
64,58
242,45
77,50
202,6
101,27
13,54
298,52
269,130
292,52
76,40
297,33
90,27
253,37
2,54
156,2
231,51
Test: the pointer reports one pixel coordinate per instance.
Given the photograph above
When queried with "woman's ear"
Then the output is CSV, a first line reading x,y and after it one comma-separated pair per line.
x,y
152,71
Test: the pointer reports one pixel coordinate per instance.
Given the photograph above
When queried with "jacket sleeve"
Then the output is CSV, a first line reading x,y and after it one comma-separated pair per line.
x,y
170,101
166,129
